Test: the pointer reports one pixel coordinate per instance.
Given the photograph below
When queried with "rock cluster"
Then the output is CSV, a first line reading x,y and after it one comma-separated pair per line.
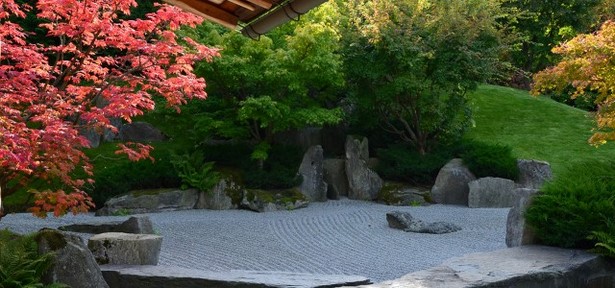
x,y
455,184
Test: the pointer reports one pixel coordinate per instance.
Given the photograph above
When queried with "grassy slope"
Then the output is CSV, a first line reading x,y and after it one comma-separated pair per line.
x,y
536,127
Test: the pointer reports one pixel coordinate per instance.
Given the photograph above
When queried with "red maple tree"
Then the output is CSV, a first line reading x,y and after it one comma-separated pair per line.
x,y
102,67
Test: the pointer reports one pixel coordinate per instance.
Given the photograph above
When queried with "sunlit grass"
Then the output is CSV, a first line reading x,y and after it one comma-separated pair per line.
x,y
535,127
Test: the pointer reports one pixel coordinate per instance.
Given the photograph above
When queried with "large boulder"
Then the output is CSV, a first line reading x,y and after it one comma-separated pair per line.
x,y
405,221
148,201
125,248
335,176
311,169
73,263
135,225
272,200
526,266
119,276
140,132
533,173
451,186
493,192
363,183
219,197
518,232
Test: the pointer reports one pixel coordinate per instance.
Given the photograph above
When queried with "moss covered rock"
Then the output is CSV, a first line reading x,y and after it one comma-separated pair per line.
x,y
401,194
273,200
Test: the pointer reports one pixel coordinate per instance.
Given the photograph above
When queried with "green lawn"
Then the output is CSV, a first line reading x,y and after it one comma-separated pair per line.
x,y
535,127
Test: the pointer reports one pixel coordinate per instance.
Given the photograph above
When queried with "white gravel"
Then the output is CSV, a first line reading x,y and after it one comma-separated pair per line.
x,y
336,237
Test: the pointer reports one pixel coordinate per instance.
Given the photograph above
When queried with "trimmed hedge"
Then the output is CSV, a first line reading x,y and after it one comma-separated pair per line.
x,y
489,160
403,163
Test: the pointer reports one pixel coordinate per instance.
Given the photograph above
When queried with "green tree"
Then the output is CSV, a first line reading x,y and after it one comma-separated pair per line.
x,y
588,65
410,63
544,24
287,80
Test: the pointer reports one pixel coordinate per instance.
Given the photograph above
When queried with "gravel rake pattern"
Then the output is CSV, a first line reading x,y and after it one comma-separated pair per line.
x,y
335,237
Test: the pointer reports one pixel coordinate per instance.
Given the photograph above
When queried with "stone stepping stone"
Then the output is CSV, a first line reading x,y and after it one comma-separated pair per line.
x,y
120,276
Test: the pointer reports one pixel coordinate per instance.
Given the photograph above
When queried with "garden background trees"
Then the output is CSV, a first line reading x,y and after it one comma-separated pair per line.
x,y
50,91
289,79
410,63
588,64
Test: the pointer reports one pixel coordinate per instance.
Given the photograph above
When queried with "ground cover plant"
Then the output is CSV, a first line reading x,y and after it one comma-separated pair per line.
x,y
20,263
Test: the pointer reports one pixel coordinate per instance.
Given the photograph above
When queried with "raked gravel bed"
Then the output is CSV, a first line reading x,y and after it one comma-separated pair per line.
x,y
335,237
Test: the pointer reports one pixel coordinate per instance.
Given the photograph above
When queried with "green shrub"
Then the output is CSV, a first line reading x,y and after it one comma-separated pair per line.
x,y
119,176
279,170
20,263
577,203
194,171
489,160
403,163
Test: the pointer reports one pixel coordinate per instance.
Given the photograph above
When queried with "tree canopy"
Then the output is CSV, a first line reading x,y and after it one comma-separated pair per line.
x,y
99,66
411,62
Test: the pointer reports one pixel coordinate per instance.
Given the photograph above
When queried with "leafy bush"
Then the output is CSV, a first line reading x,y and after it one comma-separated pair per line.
x,y
585,102
403,163
486,160
194,171
120,176
20,263
576,204
279,170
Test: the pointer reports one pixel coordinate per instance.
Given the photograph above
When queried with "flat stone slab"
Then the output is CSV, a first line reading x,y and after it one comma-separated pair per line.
x,y
134,225
129,276
526,266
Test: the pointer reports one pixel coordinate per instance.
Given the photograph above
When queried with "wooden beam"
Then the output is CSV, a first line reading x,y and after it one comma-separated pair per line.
x,y
207,11
262,3
243,4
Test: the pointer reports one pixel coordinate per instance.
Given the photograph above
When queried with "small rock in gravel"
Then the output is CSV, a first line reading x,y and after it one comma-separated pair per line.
x,y
405,221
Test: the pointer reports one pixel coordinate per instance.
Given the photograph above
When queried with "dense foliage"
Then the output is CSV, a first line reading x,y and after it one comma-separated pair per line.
x,y
542,25
114,175
411,63
20,264
576,204
489,160
286,80
402,163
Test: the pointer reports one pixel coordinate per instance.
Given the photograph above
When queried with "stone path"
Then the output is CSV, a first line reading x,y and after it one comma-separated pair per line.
x,y
336,237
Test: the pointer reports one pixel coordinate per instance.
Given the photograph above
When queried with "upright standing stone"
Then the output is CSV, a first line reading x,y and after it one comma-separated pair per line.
x,y
533,173
518,233
451,185
335,176
363,183
311,169
73,263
